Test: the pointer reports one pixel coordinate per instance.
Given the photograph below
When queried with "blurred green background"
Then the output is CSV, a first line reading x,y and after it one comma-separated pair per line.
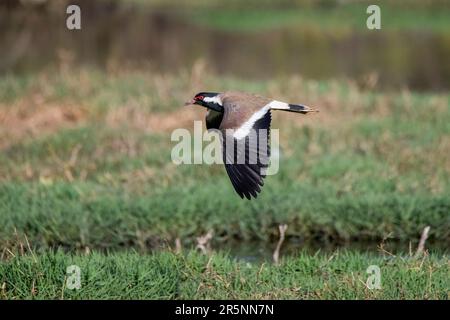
x,y
86,118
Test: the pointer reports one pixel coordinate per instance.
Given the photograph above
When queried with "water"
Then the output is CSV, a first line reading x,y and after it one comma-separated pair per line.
x,y
116,36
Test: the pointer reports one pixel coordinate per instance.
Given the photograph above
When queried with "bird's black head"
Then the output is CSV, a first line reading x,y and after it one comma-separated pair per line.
x,y
210,100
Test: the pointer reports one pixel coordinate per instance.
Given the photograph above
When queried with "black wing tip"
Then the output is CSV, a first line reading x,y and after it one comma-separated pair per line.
x,y
244,181
248,191
248,195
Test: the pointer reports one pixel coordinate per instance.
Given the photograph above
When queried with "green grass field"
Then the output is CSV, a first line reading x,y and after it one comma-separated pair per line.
x,y
194,276
85,166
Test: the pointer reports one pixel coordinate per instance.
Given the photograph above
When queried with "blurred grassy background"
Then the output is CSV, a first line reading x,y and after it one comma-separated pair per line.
x,y
256,40
86,118
83,147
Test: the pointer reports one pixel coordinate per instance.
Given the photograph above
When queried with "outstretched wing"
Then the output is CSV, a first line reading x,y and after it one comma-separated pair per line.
x,y
246,154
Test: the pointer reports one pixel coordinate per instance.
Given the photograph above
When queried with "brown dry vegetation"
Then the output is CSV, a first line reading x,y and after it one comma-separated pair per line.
x,y
30,118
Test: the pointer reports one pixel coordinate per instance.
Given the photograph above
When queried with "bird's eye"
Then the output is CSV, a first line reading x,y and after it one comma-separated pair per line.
x,y
199,97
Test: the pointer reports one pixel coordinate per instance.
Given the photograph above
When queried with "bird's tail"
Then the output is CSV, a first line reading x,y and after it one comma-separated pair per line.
x,y
299,108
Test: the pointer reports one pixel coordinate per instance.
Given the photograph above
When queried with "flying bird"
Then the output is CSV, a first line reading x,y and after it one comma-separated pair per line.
x,y
243,120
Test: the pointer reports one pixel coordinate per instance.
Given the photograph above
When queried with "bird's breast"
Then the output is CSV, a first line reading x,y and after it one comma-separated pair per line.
x,y
213,119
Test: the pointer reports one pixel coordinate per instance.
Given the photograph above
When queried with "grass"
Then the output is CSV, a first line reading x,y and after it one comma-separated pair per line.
x,y
345,17
194,276
78,215
85,166
80,147
254,16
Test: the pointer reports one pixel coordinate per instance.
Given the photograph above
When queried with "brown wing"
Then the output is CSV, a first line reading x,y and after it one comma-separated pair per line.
x,y
239,107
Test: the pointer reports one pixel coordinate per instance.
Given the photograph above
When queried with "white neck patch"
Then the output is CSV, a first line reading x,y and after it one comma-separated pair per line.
x,y
215,99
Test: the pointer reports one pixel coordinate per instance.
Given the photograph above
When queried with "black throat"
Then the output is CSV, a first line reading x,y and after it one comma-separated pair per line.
x,y
213,119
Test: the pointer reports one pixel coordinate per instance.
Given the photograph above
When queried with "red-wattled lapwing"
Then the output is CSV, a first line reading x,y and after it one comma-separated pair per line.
x,y
243,120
